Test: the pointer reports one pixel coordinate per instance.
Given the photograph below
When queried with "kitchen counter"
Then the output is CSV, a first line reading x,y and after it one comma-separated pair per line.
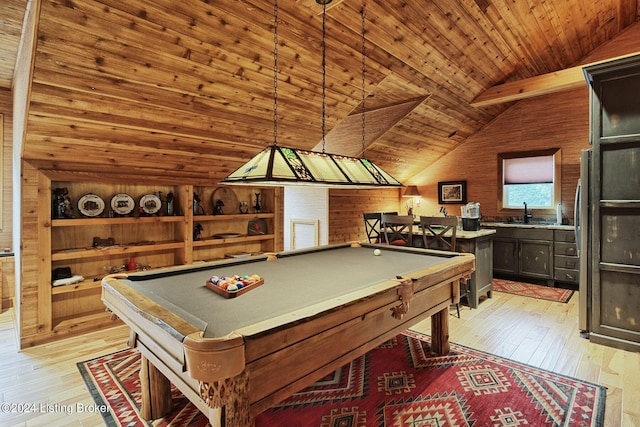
x,y
522,225
460,234
463,234
480,244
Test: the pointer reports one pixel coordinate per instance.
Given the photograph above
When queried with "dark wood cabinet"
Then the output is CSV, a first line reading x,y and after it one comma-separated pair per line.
x,y
505,255
565,260
482,277
535,258
524,252
614,192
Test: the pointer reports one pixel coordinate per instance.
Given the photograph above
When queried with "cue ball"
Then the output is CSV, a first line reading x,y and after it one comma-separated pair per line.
x,y
377,252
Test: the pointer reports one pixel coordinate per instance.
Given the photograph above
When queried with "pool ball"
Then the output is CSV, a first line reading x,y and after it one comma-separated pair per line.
x,y
377,252
232,288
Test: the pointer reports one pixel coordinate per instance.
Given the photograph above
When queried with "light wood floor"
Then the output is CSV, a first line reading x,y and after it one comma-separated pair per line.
x,y
536,332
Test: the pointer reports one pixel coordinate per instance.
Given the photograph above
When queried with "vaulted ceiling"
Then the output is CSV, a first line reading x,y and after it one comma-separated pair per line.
x,y
152,88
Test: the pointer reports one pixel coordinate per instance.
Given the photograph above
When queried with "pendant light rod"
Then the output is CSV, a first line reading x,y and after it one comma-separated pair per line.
x,y
275,72
363,81
324,69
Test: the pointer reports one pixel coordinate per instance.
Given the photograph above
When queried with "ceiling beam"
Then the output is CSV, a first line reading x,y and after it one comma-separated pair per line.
x,y
535,86
544,84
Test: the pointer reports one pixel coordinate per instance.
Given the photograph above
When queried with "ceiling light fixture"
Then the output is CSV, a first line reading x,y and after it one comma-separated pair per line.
x,y
283,166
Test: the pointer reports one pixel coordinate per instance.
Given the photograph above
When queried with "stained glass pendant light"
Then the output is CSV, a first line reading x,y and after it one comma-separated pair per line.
x,y
283,166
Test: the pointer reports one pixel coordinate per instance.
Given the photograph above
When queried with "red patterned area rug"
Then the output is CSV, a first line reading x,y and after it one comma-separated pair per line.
x,y
533,291
397,384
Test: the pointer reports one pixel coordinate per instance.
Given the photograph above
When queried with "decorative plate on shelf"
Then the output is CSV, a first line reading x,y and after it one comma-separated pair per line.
x,y
91,205
150,204
224,201
122,204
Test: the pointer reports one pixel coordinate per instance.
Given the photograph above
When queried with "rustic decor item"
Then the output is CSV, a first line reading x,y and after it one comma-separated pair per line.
x,y
61,204
452,192
225,201
257,227
91,205
122,204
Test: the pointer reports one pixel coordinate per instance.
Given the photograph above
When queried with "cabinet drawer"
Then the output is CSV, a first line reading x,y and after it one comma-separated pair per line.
x,y
525,233
561,248
569,262
564,236
566,275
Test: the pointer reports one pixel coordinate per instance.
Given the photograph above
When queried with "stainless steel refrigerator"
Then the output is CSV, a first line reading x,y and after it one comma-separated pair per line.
x,y
608,206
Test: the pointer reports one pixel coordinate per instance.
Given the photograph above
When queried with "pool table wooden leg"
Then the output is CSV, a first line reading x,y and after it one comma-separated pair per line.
x,y
440,332
228,400
156,391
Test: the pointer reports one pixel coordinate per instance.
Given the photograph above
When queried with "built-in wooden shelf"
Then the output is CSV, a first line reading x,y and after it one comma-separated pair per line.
x,y
232,240
84,253
79,222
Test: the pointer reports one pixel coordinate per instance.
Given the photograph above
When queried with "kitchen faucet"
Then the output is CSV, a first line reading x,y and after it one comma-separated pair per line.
x,y
527,215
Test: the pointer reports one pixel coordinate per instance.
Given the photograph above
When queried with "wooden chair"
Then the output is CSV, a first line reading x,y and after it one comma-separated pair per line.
x,y
434,236
397,229
372,226
434,229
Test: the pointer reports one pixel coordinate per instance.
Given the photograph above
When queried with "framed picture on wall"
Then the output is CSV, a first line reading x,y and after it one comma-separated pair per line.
x,y
452,192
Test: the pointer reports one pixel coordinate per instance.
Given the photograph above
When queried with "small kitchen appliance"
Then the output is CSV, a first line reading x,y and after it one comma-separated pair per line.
x,y
471,216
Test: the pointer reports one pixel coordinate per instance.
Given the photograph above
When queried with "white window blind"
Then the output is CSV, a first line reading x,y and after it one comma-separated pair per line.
x,y
528,170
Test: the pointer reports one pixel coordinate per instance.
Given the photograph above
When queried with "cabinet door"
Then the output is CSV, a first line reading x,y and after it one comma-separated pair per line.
x,y
536,258
505,255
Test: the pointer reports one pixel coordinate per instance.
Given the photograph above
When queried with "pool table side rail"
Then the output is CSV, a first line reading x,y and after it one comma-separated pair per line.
x,y
117,293
189,268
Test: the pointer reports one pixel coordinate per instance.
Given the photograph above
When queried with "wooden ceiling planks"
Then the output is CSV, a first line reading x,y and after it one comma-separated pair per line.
x,y
193,80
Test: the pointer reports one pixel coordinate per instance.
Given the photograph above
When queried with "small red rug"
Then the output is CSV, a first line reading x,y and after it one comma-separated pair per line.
x,y
397,384
533,291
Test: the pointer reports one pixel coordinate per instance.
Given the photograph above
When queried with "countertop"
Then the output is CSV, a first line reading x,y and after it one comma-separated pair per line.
x,y
463,234
522,225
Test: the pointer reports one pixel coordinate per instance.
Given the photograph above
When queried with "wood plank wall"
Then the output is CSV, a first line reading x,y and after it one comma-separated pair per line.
x,y
6,108
559,120
347,206
6,232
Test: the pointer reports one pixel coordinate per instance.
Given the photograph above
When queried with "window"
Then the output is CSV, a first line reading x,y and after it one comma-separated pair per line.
x,y
531,177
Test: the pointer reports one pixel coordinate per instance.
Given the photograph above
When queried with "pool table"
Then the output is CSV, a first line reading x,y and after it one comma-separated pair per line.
x,y
317,310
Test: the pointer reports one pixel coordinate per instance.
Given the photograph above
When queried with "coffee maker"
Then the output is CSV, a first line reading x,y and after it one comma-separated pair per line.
x,y
471,216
